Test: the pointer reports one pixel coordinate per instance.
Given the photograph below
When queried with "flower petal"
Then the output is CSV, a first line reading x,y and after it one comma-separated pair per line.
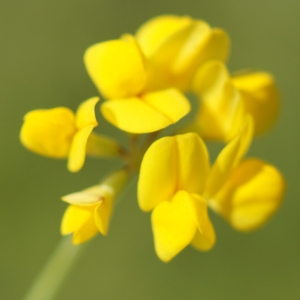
x,y
221,112
154,32
192,163
89,196
260,97
174,225
228,158
149,113
251,195
158,174
49,132
116,67
102,214
85,114
205,236
78,149
80,221
175,62
170,164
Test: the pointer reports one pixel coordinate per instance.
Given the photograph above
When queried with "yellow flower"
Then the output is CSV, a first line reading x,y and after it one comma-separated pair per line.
x,y
90,210
176,181
225,101
59,133
118,69
177,46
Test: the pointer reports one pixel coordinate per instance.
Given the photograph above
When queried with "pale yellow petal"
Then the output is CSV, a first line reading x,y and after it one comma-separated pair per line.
x,y
174,225
251,195
116,67
221,113
85,114
89,196
78,149
134,115
79,221
260,97
152,34
49,132
158,174
228,158
192,162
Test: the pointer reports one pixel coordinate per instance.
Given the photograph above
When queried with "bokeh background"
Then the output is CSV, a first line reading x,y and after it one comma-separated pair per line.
x,y
42,44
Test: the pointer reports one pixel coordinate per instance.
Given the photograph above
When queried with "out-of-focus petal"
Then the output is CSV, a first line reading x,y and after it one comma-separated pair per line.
x,y
150,112
251,195
171,164
116,67
205,236
158,174
216,46
152,34
260,96
228,158
78,149
176,61
103,214
221,111
174,225
79,221
49,132
85,114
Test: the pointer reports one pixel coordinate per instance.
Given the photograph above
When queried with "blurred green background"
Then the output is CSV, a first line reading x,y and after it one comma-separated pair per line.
x,y
42,44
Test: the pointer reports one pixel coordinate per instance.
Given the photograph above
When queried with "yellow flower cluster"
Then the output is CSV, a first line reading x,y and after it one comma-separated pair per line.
x,y
144,79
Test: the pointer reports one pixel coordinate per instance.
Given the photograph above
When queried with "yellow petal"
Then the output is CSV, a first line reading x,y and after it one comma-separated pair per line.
x,y
222,111
171,103
174,225
78,149
103,214
49,132
251,195
152,34
216,46
228,158
192,163
85,114
175,62
205,236
151,112
116,67
158,174
260,97
170,164
80,221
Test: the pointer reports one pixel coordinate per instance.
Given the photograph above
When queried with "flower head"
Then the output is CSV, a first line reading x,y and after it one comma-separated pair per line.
x,y
59,133
90,210
177,182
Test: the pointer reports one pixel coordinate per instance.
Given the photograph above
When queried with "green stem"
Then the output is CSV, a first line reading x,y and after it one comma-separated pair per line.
x,y
47,283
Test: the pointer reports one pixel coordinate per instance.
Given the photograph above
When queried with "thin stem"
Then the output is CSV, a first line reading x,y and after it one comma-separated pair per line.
x,y
48,281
